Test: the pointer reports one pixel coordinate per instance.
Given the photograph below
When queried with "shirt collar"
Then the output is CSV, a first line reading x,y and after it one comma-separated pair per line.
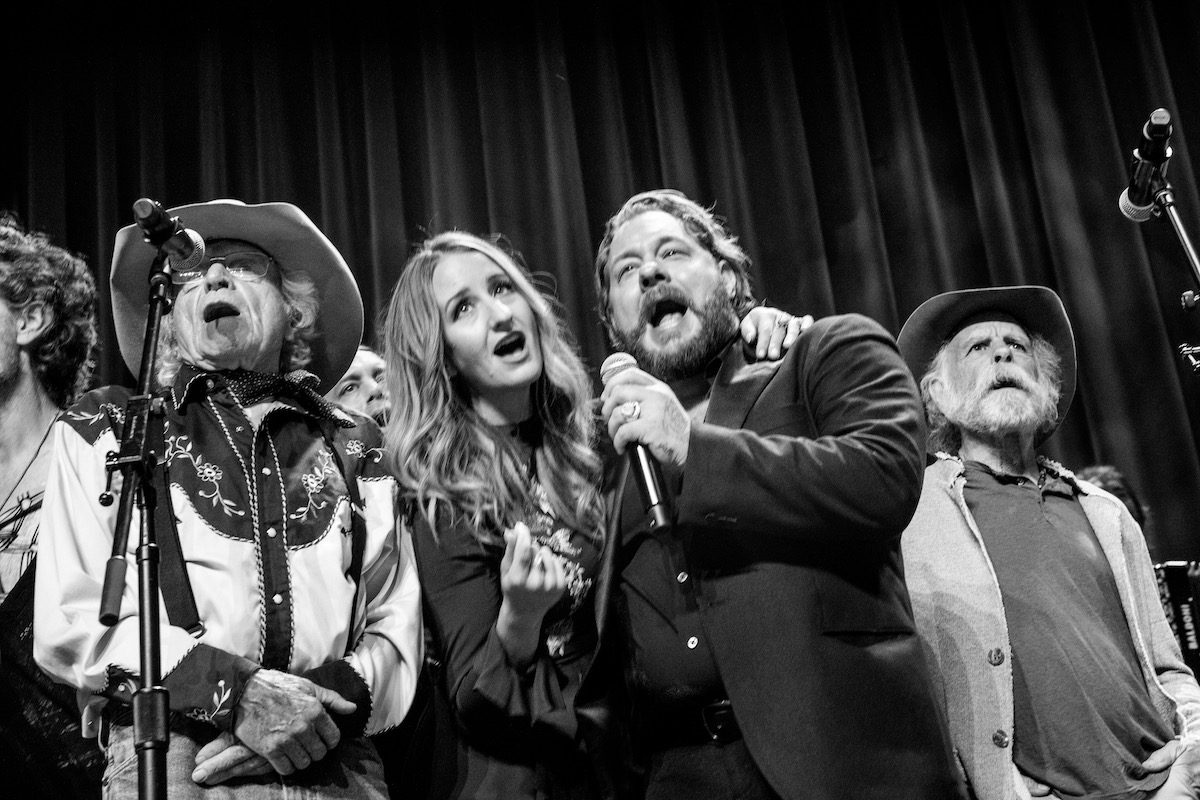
x,y
193,384
697,386
1054,476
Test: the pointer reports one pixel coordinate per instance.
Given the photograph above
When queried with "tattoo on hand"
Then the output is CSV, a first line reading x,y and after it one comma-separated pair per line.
x,y
675,423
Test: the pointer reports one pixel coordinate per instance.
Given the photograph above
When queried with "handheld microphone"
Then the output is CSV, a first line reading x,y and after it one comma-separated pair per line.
x,y
183,246
1149,163
645,467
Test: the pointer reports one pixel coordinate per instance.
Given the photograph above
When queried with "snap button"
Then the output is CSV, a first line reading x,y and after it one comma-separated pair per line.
x,y
277,599
995,656
266,470
1000,739
271,532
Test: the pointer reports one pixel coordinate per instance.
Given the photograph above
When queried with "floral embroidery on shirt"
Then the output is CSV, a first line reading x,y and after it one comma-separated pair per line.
x,y
557,539
116,412
313,482
180,447
220,697
358,449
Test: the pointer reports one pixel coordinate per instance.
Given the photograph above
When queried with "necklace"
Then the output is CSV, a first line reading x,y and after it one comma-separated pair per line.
x,y
25,471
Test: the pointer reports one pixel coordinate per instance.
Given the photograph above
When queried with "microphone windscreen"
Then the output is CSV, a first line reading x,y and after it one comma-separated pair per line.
x,y
195,258
617,362
146,212
1133,211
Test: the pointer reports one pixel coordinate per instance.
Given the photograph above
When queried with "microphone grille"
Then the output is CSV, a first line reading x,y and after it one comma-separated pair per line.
x,y
1134,212
615,363
195,258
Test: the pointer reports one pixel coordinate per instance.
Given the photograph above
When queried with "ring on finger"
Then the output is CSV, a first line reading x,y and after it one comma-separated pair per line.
x,y
631,410
783,320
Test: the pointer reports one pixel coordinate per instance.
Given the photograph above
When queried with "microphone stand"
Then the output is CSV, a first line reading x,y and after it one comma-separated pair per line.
x,y
135,460
1164,202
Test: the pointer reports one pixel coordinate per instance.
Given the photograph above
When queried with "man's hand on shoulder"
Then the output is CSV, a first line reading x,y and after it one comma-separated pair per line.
x,y
285,718
771,331
638,407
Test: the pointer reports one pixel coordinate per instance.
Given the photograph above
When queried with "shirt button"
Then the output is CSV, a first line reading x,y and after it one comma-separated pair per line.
x,y
208,384
266,470
692,642
682,577
239,429
277,599
1000,739
271,533
995,656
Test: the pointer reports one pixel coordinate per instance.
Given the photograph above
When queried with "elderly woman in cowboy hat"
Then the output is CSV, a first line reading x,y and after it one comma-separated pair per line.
x,y
303,633
1033,590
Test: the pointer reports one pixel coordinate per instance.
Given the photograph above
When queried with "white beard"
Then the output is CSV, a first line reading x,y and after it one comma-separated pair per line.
x,y
991,414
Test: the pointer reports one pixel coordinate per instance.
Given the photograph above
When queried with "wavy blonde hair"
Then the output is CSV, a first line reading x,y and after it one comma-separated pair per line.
x,y
442,451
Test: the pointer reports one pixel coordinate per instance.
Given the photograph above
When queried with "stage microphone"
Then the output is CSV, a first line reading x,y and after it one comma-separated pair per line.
x,y
183,246
644,466
1149,161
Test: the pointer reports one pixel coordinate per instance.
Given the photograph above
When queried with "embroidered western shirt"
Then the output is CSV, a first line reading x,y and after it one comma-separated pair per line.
x,y
264,521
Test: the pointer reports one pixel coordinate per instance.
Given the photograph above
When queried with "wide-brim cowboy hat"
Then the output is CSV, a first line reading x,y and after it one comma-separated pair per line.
x,y
1037,309
289,236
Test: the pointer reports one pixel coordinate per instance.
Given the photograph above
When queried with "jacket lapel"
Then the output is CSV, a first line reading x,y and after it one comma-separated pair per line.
x,y
737,387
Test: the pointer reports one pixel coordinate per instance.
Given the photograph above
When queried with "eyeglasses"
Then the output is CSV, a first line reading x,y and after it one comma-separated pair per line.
x,y
247,266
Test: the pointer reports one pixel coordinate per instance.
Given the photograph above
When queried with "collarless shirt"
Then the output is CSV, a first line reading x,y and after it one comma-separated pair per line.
x,y
1083,717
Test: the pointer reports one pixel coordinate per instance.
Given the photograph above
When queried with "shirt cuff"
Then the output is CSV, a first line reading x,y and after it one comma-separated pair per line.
x,y
343,679
534,693
208,683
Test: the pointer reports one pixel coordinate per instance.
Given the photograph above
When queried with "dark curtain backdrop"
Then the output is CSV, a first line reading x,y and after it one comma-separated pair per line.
x,y
869,154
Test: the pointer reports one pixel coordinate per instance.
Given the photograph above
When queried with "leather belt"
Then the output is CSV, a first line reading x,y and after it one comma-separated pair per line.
x,y
714,723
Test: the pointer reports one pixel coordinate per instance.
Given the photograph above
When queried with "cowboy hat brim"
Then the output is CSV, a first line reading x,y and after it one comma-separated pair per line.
x,y
289,236
1037,309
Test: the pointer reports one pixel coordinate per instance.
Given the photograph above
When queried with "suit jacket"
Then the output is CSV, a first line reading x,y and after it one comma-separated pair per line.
x,y
797,485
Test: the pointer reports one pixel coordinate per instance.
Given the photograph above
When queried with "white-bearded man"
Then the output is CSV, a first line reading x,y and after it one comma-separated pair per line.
x,y
1032,590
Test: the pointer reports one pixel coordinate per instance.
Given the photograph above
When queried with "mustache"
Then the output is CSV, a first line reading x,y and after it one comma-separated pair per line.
x,y
1001,376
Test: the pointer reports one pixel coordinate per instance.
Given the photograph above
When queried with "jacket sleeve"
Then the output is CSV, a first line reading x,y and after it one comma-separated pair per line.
x,y
1166,659
859,476
461,581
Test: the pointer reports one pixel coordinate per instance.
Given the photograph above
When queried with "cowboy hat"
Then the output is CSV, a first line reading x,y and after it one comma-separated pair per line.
x,y
1037,309
288,236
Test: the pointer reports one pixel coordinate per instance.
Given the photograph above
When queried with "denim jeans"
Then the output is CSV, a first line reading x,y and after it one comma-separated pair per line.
x,y
351,770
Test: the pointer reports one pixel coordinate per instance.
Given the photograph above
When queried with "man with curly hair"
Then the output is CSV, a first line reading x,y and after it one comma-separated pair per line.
x,y
302,635
47,341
